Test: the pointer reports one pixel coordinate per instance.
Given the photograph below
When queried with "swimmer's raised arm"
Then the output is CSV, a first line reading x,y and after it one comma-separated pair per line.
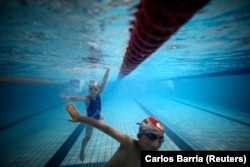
x,y
104,80
76,117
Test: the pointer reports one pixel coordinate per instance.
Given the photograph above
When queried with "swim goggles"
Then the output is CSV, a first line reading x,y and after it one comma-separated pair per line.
x,y
152,136
93,89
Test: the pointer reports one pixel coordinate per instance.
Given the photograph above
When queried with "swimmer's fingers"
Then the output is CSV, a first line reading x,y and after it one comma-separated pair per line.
x,y
72,112
70,109
71,120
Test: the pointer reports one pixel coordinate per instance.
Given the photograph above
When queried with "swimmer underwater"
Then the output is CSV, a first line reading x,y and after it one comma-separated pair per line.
x,y
93,106
150,138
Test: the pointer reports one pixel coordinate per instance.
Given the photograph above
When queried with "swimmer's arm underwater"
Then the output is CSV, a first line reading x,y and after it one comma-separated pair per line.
x,y
104,80
76,117
74,98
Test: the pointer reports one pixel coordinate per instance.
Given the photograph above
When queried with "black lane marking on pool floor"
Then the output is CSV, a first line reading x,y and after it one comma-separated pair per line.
x,y
62,152
212,112
28,117
97,164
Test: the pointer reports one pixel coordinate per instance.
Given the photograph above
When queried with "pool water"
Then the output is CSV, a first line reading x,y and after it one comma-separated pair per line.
x,y
196,84
212,115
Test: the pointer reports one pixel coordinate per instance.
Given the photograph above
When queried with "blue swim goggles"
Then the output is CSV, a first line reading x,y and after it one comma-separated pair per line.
x,y
152,136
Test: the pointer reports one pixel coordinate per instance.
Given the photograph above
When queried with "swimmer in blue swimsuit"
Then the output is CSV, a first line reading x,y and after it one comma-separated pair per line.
x,y
93,105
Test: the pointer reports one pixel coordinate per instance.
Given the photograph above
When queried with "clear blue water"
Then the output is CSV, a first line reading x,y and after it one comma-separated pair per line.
x,y
197,83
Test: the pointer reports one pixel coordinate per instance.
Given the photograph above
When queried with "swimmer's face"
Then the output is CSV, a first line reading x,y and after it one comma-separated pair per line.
x,y
93,90
150,144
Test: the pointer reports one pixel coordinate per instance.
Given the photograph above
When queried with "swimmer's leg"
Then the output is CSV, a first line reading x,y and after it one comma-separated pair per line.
x,y
88,134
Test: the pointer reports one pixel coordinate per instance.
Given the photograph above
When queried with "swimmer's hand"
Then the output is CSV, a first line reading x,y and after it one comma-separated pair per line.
x,y
75,116
64,97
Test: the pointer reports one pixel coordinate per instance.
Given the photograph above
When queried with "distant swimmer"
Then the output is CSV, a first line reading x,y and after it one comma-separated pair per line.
x,y
73,87
93,103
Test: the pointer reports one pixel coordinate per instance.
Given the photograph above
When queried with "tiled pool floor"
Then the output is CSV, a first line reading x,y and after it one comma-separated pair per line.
x,y
49,139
